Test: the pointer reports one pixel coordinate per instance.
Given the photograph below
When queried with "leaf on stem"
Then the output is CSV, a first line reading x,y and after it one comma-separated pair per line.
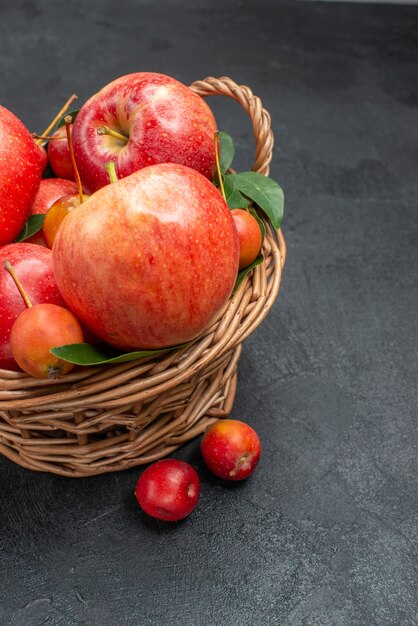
x,y
264,191
32,226
98,354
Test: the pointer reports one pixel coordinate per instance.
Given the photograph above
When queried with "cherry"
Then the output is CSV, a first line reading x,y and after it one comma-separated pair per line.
x,y
61,207
249,235
168,490
40,140
231,449
56,214
39,328
59,154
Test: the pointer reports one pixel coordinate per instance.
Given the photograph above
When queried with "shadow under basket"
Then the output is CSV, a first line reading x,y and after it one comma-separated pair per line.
x,y
109,418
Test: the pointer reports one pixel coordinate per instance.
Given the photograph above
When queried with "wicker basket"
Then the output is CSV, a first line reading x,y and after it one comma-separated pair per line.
x,y
109,418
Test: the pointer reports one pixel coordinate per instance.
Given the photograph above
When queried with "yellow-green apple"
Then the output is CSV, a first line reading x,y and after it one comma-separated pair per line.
x,y
21,170
150,260
33,266
143,119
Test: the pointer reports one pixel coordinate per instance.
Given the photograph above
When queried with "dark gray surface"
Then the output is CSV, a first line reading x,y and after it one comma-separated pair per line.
x,y
324,533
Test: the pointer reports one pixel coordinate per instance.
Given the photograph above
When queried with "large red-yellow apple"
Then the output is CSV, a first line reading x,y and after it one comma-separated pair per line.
x,y
159,119
148,261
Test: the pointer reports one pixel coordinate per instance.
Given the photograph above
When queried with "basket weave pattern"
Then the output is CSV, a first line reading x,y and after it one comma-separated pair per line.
x,y
109,418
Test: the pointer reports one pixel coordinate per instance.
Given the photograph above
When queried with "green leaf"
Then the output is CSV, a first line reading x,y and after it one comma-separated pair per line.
x,y
61,122
260,223
264,191
243,273
234,198
32,225
227,150
98,354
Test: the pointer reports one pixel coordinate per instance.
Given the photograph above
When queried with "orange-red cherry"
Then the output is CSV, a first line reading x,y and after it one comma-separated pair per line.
x,y
250,237
38,329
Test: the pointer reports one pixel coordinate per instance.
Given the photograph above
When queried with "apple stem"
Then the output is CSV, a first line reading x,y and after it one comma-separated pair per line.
x,y
56,119
111,171
68,121
9,267
105,130
218,165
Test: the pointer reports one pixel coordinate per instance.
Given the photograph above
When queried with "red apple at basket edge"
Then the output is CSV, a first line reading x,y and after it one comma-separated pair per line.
x,y
231,449
33,265
150,260
159,119
21,170
42,155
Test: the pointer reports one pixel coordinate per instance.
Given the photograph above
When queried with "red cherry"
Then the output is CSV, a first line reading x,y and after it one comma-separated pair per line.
x,y
168,490
231,449
59,155
56,214
37,330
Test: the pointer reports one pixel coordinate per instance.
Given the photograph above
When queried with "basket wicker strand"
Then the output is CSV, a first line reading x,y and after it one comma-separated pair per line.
x,y
109,418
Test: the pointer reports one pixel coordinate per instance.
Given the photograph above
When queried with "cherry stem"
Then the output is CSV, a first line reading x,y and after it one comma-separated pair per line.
x,y
57,118
68,121
111,171
218,165
46,137
105,130
9,267
238,465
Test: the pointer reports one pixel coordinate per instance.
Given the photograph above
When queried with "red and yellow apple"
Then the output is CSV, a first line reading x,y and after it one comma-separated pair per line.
x,y
21,170
145,119
149,261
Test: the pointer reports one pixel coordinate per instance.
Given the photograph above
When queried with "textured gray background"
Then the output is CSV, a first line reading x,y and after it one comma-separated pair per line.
x,y
324,533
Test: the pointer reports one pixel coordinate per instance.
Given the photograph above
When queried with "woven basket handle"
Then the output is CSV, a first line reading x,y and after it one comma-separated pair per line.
x,y
260,118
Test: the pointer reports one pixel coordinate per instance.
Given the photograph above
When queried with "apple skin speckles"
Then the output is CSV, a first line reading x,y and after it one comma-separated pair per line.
x,y
146,262
164,121
21,167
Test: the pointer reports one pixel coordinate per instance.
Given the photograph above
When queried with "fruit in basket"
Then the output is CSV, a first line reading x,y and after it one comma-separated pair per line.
x,y
249,235
42,156
142,119
50,190
231,449
21,170
33,264
62,206
56,214
38,329
59,154
149,261
168,490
